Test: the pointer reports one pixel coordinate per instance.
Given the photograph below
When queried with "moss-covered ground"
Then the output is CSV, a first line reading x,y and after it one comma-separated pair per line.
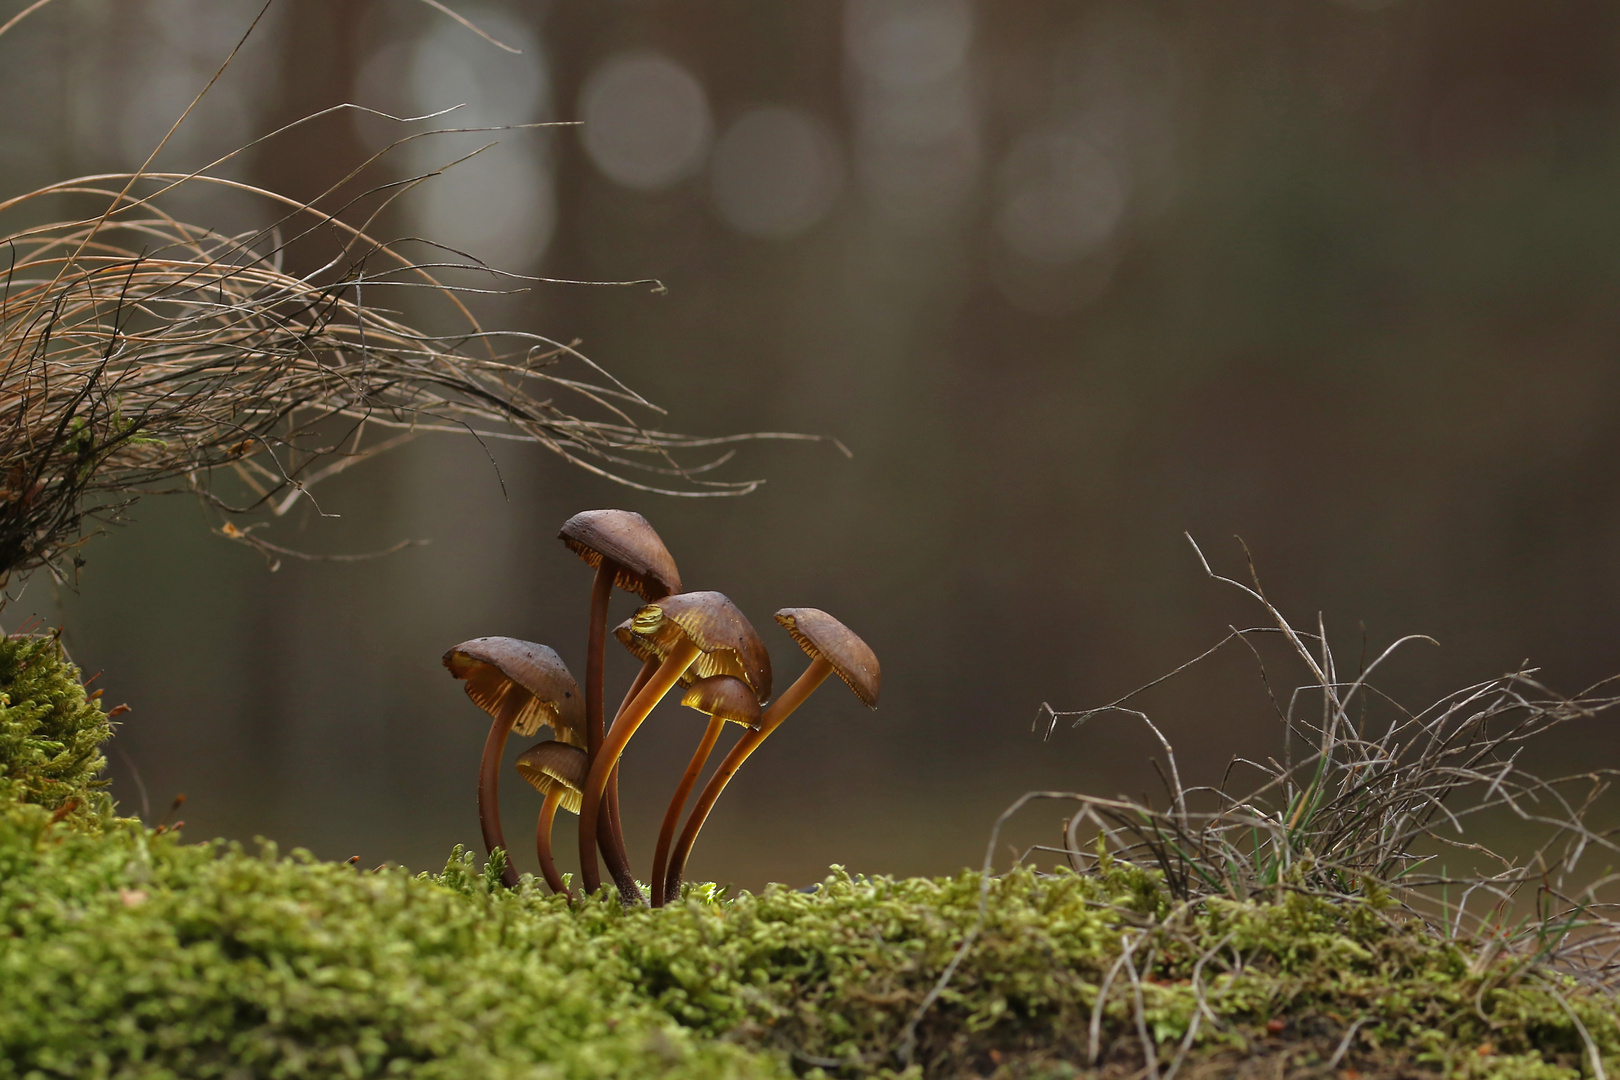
x,y
128,952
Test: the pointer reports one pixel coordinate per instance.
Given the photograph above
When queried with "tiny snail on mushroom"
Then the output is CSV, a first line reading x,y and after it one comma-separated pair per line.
x,y
521,685
833,648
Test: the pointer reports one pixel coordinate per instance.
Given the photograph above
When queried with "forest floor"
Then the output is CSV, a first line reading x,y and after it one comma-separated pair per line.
x,y
126,951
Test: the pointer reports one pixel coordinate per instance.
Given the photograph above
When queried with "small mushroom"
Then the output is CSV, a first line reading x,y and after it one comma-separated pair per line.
x,y
624,550
557,771
522,686
700,630
722,698
833,648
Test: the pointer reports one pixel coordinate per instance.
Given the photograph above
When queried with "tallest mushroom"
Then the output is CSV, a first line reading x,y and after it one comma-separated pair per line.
x,y
625,551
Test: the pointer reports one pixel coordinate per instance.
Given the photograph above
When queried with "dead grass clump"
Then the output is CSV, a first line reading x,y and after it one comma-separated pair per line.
x,y
1369,809
141,353
1371,796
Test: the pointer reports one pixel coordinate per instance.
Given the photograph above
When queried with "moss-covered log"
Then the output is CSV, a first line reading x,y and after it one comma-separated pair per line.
x,y
126,952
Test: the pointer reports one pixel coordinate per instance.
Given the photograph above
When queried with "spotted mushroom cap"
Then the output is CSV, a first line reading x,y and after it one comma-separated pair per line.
x,y
554,766
726,697
498,671
711,622
645,566
824,637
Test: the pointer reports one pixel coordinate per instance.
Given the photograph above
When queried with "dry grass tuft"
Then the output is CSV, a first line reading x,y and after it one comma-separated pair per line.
x,y
1372,797
1372,806
141,353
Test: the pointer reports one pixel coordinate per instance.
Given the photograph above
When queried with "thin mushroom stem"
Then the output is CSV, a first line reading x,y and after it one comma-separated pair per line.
x,y
613,745
595,662
648,668
612,797
780,710
542,843
672,816
610,835
489,779
595,653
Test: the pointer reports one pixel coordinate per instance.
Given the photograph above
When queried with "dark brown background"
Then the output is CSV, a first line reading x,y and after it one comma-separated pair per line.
x,y
1348,288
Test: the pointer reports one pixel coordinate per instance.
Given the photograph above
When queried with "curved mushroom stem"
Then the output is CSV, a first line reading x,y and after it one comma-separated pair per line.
x,y
489,779
611,812
603,763
610,836
595,660
672,816
648,668
780,710
542,844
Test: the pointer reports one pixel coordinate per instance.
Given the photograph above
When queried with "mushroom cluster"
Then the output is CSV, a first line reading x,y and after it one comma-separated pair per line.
x,y
699,640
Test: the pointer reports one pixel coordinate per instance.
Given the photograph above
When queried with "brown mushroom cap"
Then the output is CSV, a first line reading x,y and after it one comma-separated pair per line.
x,y
824,637
725,697
712,622
495,668
554,766
645,566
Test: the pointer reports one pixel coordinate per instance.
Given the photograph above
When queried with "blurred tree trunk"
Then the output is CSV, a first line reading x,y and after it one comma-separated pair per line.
x,y
320,54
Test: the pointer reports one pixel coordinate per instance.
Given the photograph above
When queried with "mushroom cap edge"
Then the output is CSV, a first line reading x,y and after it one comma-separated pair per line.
x,y
645,566
822,636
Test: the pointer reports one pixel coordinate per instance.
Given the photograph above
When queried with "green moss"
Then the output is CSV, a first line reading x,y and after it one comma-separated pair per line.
x,y
127,953
50,733
134,955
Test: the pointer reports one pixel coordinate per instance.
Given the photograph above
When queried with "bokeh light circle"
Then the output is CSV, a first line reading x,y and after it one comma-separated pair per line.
x,y
1060,198
775,172
646,121
908,42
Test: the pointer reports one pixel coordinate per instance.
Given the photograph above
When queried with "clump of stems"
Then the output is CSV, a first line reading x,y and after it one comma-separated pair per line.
x,y
1370,797
1371,805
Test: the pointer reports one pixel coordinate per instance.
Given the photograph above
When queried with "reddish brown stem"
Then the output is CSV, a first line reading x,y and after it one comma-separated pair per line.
x,y
648,668
780,710
595,658
623,728
542,844
610,837
489,801
612,797
672,816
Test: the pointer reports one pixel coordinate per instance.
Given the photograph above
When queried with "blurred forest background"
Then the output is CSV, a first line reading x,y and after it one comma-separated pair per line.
x,y
1069,278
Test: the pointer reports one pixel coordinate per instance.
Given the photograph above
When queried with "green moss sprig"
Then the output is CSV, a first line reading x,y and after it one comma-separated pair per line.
x,y
50,733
